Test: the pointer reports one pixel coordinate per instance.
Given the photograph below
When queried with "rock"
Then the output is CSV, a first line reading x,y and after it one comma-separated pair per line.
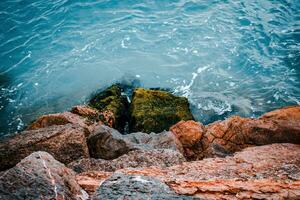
x,y
66,143
121,186
108,143
188,132
61,119
262,172
40,176
155,111
134,159
113,107
86,112
235,133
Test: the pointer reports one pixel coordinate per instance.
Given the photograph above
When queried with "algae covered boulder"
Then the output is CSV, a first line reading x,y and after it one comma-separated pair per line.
x,y
113,107
155,110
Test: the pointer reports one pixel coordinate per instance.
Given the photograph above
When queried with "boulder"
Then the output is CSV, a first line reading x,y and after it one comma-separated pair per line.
x,y
40,176
133,159
61,119
155,111
86,112
65,142
108,143
235,133
122,186
113,107
261,172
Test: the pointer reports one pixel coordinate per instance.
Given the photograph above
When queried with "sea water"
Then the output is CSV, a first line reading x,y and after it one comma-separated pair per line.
x,y
228,57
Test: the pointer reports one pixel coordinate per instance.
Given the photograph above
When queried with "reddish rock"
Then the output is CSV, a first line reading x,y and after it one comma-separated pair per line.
x,y
188,132
66,143
61,119
87,112
40,176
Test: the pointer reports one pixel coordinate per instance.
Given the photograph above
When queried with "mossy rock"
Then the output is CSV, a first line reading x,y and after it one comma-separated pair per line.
x,y
112,101
155,110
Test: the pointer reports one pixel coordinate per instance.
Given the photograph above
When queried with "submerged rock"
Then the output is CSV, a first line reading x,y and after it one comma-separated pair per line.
x,y
40,176
122,186
66,143
133,159
156,111
113,107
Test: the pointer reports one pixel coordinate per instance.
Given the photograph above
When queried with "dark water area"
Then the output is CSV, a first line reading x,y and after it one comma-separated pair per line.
x,y
227,57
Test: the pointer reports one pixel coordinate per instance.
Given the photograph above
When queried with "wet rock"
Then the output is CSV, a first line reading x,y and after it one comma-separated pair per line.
x,y
60,119
133,159
121,186
40,176
262,172
235,133
66,143
113,107
86,112
156,111
108,143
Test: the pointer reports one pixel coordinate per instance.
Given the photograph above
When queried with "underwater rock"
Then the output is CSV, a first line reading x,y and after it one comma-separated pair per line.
x,y
156,111
61,119
133,159
108,143
40,176
113,107
236,133
66,143
122,186
261,172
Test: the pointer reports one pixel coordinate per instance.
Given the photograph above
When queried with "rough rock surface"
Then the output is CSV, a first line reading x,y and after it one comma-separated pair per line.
x,y
108,143
235,133
262,172
133,159
40,176
156,111
121,186
87,112
113,107
66,143
61,119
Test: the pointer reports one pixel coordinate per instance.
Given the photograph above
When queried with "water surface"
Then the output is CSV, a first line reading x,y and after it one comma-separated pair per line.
x,y
228,57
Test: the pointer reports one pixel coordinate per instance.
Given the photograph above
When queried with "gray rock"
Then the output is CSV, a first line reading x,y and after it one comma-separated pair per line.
x,y
65,142
40,176
108,143
134,159
121,186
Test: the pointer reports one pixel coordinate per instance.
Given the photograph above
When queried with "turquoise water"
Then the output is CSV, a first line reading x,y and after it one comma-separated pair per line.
x,y
227,57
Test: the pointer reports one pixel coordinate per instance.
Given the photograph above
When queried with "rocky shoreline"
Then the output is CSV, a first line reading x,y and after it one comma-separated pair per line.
x,y
149,147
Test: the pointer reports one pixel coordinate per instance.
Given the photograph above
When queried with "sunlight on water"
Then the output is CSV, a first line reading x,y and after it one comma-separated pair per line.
x,y
227,57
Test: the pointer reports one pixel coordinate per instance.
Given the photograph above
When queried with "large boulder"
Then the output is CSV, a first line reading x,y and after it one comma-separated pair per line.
x,y
61,119
122,186
155,111
262,172
133,159
86,112
113,107
40,176
65,142
108,143
235,133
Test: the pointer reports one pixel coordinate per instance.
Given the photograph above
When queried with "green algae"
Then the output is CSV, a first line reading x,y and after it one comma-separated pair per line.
x,y
155,110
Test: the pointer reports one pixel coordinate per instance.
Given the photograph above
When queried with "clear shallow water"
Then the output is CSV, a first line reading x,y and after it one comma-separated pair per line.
x,y
227,57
